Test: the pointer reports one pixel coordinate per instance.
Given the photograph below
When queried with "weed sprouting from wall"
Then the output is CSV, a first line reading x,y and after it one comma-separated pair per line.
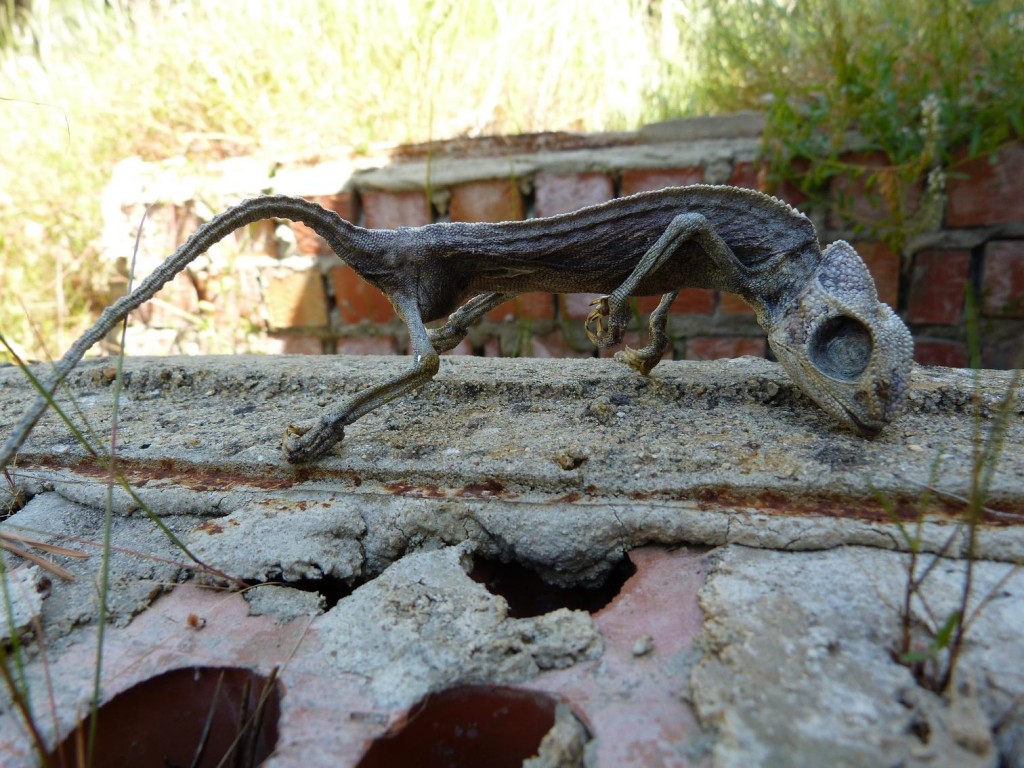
x,y
930,643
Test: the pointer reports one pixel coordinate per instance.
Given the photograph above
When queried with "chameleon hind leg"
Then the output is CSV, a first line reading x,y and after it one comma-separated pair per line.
x,y
304,443
457,326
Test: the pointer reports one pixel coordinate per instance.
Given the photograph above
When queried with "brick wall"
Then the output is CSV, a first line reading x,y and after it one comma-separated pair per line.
x,y
277,287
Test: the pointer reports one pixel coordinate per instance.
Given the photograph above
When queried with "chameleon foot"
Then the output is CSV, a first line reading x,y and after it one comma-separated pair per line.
x,y
642,360
604,325
597,319
302,443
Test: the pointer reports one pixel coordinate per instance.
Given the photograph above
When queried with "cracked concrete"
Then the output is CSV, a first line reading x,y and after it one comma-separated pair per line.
x,y
774,618
561,466
379,632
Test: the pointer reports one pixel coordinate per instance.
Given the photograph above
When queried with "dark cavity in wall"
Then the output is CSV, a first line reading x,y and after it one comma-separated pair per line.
x,y
467,727
330,588
528,594
195,716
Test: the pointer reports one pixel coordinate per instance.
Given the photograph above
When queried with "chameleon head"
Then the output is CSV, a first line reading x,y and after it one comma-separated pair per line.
x,y
845,349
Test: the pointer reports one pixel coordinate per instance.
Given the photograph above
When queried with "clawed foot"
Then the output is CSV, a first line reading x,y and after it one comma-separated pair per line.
x,y
605,326
306,442
642,360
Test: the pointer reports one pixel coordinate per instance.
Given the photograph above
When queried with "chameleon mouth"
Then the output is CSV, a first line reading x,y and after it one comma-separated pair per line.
x,y
868,429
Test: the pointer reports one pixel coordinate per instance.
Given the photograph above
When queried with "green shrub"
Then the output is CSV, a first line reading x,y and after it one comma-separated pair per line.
x,y
915,79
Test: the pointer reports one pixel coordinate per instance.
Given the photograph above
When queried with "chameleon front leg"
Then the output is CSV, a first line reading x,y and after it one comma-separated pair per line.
x,y
309,442
457,326
606,324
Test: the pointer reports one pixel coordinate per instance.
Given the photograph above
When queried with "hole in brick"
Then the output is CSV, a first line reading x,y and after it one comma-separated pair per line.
x,y
201,716
527,594
467,727
331,588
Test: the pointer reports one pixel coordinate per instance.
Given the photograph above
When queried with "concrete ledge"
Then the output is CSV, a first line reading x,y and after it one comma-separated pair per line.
x,y
560,466
702,453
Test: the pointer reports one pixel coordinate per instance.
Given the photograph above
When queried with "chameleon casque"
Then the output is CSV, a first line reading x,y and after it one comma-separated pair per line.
x,y
845,349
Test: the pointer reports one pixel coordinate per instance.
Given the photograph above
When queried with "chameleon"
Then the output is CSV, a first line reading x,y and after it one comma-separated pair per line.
x,y
845,349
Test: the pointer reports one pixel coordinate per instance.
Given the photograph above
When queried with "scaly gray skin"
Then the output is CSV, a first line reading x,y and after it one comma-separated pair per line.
x,y
846,350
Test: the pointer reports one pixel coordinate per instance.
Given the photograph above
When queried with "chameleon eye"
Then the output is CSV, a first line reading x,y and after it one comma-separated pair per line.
x,y
841,348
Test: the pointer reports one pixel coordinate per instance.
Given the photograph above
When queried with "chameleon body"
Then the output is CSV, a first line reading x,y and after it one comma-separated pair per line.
x,y
845,349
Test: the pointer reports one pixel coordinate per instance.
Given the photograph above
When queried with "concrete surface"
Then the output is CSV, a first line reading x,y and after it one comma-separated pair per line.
x,y
770,550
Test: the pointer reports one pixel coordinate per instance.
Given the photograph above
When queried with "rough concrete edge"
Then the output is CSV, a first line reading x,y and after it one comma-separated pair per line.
x,y
418,175
737,125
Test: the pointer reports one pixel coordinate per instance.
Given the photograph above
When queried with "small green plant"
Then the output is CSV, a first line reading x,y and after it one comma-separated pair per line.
x,y
931,644
522,346
934,657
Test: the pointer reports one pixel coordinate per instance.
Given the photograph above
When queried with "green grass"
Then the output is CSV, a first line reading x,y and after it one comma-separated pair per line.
x,y
89,83
86,86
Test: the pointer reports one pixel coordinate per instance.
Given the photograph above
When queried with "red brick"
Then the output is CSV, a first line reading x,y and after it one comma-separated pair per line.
x,y
951,354
492,347
756,176
492,200
164,228
993,193
937,287
294,299
390,210
884,266
563,193
647,179
309,242
257,238
287,344
718,347
233,291
528,306
784,189
366,345
731,304
1004,354
690,301
867,200
549,345
141,341
746,174
357,300
1002,284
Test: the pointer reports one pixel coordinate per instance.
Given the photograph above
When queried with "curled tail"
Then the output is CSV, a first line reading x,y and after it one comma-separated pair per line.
x,y
336,231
